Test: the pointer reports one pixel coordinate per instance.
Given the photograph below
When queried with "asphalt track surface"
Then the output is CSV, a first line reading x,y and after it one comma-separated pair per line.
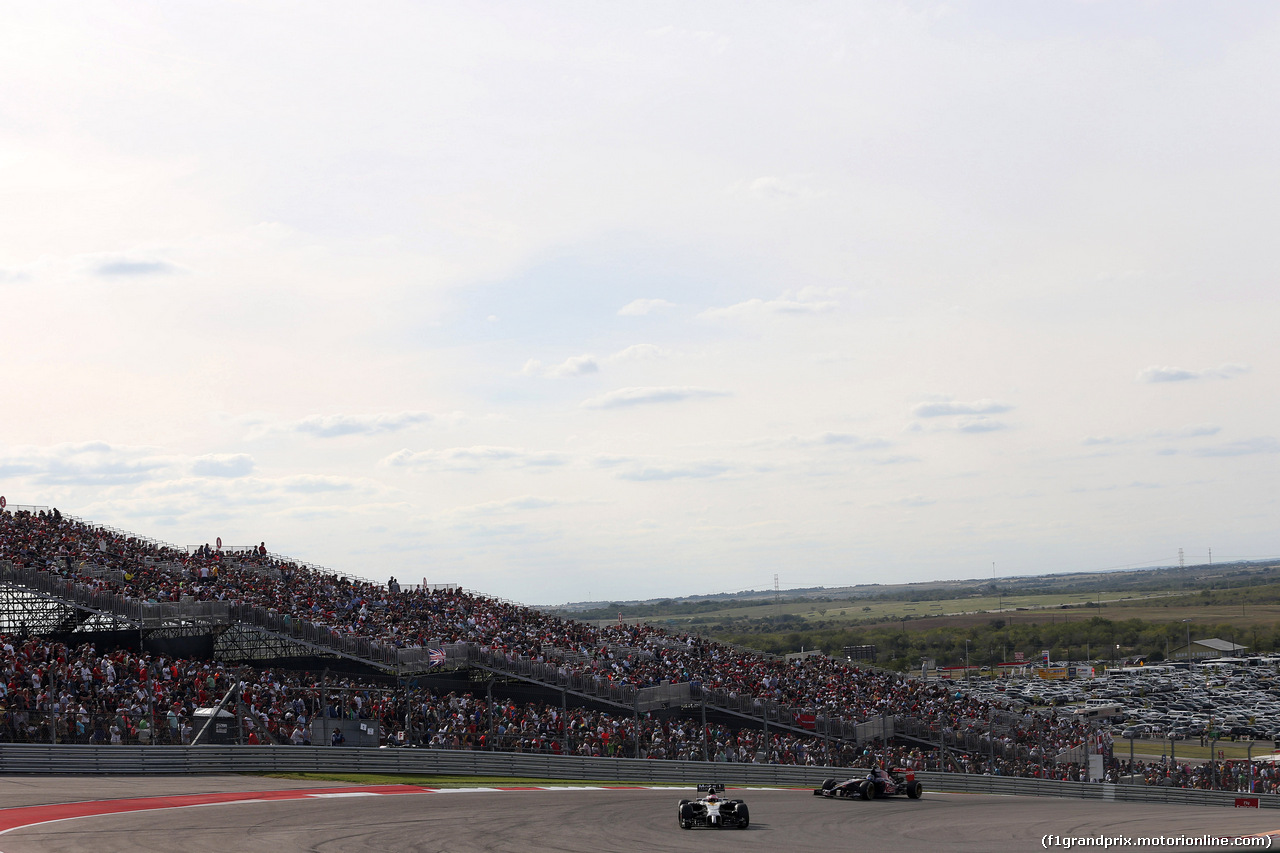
x,y
250,814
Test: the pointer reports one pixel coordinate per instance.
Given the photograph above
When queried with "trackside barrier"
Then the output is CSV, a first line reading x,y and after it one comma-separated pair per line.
x,y
1132,793
35,759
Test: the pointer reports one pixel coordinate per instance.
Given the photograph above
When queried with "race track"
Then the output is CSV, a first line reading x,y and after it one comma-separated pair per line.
x,y
585,821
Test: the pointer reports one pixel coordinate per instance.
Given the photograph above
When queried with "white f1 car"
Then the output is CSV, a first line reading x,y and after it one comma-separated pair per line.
x,y
713,810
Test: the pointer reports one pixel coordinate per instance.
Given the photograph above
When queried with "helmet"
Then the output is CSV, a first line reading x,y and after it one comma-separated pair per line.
x,y
712,798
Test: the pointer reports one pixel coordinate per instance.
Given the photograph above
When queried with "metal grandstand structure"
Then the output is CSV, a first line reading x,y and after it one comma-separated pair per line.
x,y
37,601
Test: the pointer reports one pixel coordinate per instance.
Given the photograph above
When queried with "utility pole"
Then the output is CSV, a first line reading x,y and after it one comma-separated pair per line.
x,y
564,721
488,689
999,591
706,740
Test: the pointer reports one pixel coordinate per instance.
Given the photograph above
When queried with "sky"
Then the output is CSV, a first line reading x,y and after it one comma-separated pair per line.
x,y
571,301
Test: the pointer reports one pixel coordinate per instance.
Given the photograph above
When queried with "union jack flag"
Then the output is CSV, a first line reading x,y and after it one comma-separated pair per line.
x,y
437,657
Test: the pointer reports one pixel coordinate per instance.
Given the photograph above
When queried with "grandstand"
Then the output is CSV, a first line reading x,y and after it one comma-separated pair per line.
x,y
114,637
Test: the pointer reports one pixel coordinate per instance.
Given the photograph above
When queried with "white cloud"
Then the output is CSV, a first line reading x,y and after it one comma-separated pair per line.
x,y
88,463
642,307
222,465
775,188
673,471
578,365
474,459
310,484
1166,374
639,352
1178,374
911,501
949,408
659,469
335,426
979,425
1189,431
801,304
897,459
134,267
827,440
1244,447
623,397
525,503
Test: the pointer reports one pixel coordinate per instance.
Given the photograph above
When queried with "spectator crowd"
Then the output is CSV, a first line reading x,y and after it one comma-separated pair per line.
x,y
50,692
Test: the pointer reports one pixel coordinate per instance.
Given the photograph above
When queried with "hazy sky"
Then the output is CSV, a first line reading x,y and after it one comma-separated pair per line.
x,y
612,300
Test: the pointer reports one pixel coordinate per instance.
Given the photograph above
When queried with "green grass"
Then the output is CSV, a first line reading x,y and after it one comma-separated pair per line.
x,y
863,610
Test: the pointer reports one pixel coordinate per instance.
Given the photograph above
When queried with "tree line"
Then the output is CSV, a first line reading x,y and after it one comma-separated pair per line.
x,y
999,640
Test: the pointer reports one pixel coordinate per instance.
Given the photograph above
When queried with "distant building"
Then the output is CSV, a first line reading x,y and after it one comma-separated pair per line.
x,y
1205,649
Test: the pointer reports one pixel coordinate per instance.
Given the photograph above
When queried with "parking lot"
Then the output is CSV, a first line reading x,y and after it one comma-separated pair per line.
x,y
1159,706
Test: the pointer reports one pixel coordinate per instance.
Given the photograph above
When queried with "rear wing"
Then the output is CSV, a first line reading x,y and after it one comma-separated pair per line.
x,y
711,788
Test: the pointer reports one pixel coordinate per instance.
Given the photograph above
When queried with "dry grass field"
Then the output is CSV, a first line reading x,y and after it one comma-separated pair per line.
x,y
977,610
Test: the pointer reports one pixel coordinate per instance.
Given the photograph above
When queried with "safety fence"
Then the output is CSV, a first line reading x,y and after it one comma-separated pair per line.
x,y
127,760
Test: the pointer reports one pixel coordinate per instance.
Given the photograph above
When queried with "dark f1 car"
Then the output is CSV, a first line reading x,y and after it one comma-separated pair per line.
x,y
877,783
713,810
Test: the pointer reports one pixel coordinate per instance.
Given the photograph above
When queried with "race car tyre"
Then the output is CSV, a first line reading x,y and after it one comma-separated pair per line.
x,y
865,790
914,790
828,784
744,815
686,814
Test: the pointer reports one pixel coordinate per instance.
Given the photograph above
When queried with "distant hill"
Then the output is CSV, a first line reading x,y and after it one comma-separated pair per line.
x,y
1117,582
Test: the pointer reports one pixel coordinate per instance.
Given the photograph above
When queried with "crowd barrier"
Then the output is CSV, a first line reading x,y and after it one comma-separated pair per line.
x,y
35,759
